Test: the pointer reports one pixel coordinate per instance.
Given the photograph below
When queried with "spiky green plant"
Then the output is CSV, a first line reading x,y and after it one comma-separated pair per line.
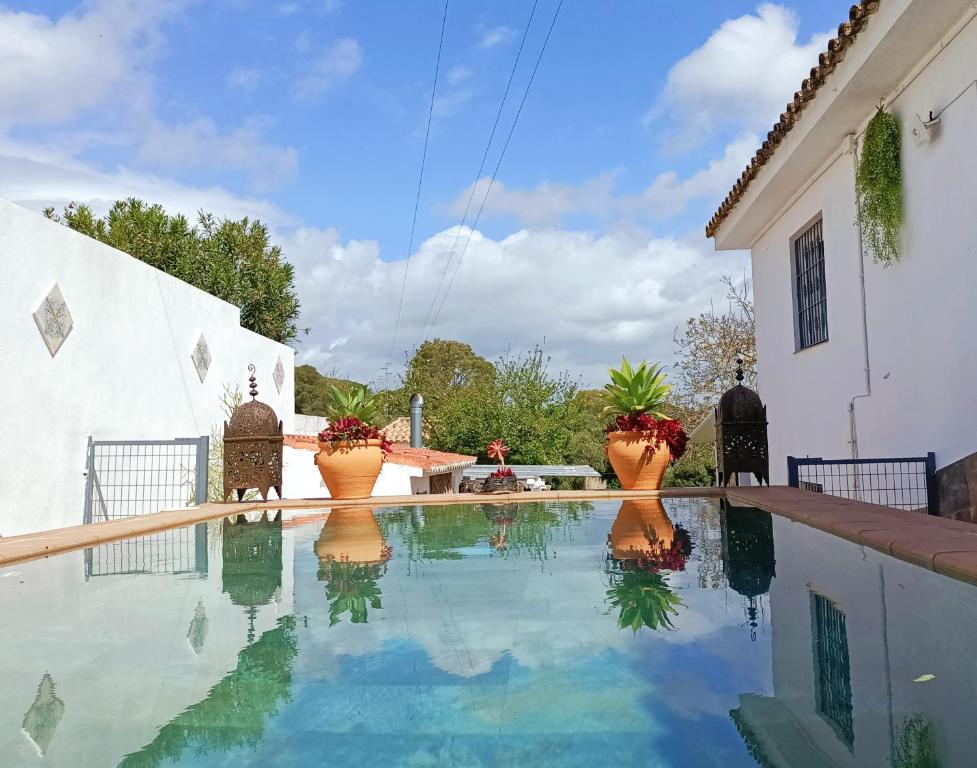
x,y
636,390
878,187
644,599
356,402
915,746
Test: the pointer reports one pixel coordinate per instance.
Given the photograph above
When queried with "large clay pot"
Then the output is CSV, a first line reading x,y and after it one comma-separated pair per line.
x,y
351,535
641,527
350,469
638,469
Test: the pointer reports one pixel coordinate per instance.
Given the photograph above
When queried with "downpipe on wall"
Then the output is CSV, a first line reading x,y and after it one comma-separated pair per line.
x,y
853,427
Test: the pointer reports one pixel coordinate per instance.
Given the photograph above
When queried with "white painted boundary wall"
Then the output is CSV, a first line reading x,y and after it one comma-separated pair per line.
x,y
921,312
124,372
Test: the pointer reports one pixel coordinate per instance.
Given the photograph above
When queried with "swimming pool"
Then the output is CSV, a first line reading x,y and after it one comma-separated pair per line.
x,y
475,635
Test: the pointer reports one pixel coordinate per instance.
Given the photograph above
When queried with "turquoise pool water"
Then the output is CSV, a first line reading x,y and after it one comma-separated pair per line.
x,y
565,634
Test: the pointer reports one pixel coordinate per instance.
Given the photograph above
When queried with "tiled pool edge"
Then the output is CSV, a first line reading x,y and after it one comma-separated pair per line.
x,y
948,547
40,544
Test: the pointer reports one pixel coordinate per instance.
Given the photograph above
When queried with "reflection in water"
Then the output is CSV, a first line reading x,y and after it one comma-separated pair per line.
x,y
642,543
41,720
509,530
236,710
748,554
197,633
352,557
833,667
915,746
252,573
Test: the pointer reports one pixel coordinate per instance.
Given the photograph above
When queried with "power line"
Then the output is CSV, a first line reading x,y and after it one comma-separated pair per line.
x,y
420,179
478,175
495,173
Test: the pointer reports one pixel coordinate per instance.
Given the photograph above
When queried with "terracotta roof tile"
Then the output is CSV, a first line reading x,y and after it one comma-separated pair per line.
x,y
847,32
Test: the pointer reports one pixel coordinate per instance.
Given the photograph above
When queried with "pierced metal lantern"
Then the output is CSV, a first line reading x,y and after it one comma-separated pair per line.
x,y
741,433
748,554
253,445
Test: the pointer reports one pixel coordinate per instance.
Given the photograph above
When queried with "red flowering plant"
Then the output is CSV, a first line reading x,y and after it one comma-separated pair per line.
x,y
498,450
634,399
667,558
350,429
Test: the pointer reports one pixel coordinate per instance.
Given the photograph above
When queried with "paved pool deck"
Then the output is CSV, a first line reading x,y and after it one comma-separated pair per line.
x,y
946,546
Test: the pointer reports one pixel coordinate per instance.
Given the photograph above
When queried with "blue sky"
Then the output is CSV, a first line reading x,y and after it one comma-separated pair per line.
x,y
311,114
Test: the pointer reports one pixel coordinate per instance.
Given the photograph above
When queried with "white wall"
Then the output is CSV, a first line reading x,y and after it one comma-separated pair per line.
x,y
921,311
301,478
124,372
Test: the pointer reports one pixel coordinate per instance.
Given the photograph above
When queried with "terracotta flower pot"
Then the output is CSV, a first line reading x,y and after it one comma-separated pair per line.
x,y
351,535
638,469
641,527
350,469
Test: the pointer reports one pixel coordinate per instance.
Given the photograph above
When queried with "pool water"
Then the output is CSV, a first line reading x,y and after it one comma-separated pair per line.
x,y
680,632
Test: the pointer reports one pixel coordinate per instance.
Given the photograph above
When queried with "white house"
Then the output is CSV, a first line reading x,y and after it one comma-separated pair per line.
x,y
857,360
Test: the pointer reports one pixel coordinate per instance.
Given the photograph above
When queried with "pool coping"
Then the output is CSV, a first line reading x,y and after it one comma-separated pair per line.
x,y
946,546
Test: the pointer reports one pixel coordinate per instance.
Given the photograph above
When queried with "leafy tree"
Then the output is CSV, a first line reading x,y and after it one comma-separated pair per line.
x,y
312,390
232,260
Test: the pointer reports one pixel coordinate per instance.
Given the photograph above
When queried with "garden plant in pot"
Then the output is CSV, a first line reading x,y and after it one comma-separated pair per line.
x,y
641,440
351,448
502,480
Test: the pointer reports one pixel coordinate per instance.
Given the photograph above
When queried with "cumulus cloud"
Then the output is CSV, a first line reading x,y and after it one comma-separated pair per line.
x,y
339,61
547,204
199,144
244,78
55,69
38,177
497,36
590,298
741,77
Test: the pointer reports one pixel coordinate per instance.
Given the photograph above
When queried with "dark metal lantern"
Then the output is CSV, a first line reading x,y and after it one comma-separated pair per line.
x,y
741,433
253,445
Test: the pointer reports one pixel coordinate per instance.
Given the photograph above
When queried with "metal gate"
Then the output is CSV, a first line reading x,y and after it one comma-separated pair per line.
x,y
126,478
905,483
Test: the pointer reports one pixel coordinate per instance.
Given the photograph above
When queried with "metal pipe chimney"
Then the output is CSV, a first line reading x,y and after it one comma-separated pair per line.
x,y
416,421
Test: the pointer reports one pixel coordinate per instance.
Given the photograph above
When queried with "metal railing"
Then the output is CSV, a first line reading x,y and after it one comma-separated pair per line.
x,y
904,483
177,550
126,478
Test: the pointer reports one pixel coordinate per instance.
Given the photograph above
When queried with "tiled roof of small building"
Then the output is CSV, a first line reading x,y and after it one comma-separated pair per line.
x,y
837,46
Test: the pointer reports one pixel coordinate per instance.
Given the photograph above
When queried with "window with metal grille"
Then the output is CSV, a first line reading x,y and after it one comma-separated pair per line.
x,y
831,667
811,301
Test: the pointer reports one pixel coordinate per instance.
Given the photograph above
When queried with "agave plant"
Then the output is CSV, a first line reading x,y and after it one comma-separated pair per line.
x,y
356,402
644,599
636,390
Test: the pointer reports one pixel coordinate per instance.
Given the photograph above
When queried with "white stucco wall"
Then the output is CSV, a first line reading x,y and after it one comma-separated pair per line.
x,y
921,312
124,372
301,478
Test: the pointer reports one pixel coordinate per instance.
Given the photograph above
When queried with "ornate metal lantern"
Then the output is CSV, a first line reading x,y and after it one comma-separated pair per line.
x,y
253,448
748,554
741,433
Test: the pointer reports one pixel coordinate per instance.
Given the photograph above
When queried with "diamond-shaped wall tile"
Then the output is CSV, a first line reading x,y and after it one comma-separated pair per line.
x,y
279,374
53,320
201,357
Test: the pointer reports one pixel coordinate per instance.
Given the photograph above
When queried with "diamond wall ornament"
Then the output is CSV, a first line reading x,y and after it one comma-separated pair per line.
x,y
41,720
201,357
279,374
53,320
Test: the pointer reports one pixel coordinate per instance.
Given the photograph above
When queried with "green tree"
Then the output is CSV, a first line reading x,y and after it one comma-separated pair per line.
x,y
312,390
232,260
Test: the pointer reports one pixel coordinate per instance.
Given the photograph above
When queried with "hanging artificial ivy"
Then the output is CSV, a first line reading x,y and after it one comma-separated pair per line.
x,y
878,187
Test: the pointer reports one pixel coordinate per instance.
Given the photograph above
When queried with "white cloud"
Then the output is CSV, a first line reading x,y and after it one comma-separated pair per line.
x,y
591,297
53,70
741,77
457,75
497,36
36,177
199,144
547,204
337,62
